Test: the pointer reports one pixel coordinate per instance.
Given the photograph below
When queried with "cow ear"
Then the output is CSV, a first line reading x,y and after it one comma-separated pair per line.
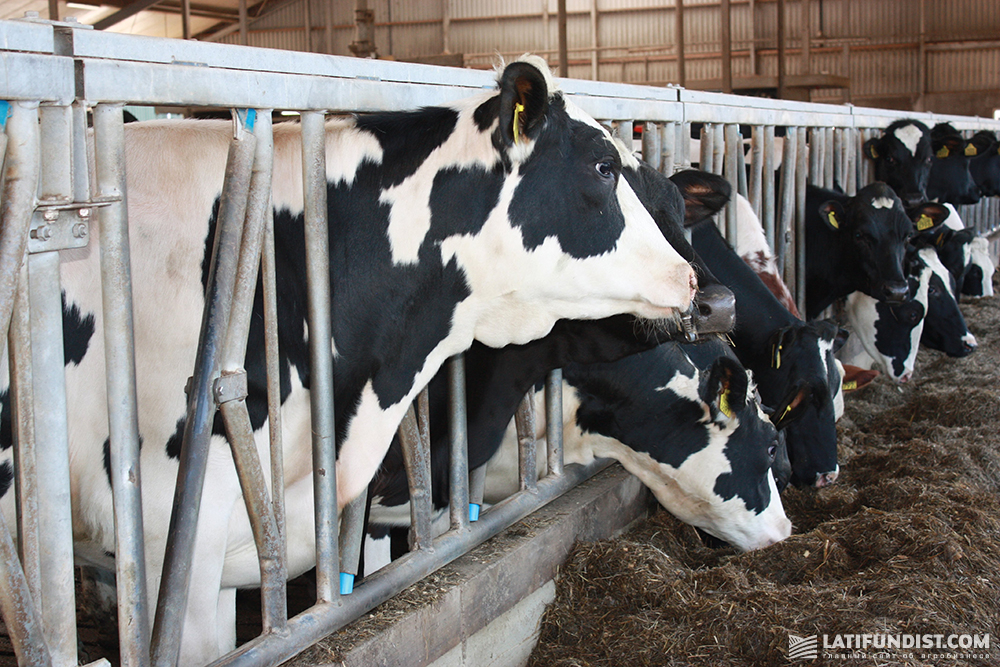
x,y
870,148
791,407
927,217
524,100
832,214
727,386
984,142
704,194
781,340
949,146
840,339
855,377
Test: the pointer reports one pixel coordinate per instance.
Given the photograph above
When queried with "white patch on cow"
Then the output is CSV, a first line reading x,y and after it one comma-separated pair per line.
x,y
930,257
882,202
750,237
954,220
838,397
909,136
684,386
980,255
410,212
378,553
970,340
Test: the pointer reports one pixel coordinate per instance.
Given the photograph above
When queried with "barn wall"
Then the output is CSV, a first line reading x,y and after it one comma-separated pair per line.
x,y
876,43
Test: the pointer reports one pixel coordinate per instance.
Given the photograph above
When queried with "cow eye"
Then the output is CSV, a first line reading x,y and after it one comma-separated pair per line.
x,y
927,160
932,290
605,169
772,451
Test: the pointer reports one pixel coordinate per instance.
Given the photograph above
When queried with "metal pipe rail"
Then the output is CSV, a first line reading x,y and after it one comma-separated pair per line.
x,y
46,183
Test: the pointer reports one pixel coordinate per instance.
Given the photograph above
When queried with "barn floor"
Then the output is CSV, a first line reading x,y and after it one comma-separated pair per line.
x,y
906,542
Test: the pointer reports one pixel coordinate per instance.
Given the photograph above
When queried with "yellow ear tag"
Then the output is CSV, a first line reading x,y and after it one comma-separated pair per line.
x,y
518,110
942,152
724,404
874,153
832,217
940,240
850,385
970,150
776,357
785,413
924,222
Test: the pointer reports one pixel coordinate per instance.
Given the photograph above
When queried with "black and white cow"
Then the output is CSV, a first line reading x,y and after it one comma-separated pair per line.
x,y
944,325
684,419
985,164
488,219
902,156
858,243
950,180
979,278
792,360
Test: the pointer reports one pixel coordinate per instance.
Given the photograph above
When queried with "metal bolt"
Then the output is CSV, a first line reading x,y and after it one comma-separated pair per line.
x,y
50,216
79,230
42,233
84,213
31,15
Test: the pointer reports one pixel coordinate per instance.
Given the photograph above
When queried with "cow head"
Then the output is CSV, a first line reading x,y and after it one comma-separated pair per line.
x,y
890,333
582,244
985,164
944,325
697,437
979,277
802,361
872,230
950,179
902,157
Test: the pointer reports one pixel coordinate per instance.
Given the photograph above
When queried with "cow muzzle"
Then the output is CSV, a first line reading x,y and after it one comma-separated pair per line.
x,y
895,292
712,311
827,478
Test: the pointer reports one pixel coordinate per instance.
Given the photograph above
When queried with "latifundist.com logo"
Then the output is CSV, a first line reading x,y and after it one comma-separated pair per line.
x,y
925,647
803,648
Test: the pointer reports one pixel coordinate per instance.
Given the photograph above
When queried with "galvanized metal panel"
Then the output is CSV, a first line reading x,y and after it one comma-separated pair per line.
x,y
29,76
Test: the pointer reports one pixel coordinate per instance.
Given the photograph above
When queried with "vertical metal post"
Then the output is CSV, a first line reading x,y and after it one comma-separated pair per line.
x,y
459,443
307,24
651,152
781,49
768,194
524,421
830,155
756,168
817,152
707,156
595,58
718,148
683,145
733,165
668,142
352,536
272,362
805,21
123,417
417,460
320,353
783,234
800,221
172,599
244,28
563,49
19,614
446,26
741,171
55,524
186,19
554,421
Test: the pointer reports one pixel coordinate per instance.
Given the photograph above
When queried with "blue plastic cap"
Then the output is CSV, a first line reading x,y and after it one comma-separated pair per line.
x,y
4,113
473,512
346,583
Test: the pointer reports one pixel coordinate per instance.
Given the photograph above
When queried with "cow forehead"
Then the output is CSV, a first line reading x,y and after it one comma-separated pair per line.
x,y
627,156
882,202
909,136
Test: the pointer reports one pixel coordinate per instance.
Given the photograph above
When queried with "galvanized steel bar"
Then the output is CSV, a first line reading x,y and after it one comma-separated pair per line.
x,y
55,520
741,172
172,599
20,182
683,145
274,609
651,152
718,148
477,488
459,444
23,429
21,618
828,158
352,537
768,193
756,168
554,421
733,165
707,153
784,239
800,221
524,422
816,154
123,412
417,460
668,142
851,160
55,525
320,354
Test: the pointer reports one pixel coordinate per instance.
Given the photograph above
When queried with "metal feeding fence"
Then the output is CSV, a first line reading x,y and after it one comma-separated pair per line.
x,y
57,78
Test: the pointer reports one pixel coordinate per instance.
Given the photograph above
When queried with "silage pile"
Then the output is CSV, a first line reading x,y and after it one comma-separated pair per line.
x,y
907,542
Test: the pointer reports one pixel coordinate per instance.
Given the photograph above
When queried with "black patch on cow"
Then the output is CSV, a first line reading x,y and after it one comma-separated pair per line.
x,y
173,444
6,477
563,192
487,113
6,427
451,207
407,138
77,332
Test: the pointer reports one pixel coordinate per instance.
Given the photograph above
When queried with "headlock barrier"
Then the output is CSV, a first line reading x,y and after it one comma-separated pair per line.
x,y
57,79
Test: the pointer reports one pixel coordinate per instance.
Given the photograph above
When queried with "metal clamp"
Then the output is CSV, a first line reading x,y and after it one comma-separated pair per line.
x,y
62,225
230,387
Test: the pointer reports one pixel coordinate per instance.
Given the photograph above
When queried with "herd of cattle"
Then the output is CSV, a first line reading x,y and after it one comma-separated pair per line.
x,y
513,227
